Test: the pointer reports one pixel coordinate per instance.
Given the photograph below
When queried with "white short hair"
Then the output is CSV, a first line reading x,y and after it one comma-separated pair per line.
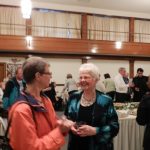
x,y
90,69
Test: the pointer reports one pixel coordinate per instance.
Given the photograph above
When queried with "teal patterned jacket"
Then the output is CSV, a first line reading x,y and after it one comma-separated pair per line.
x,y
104,118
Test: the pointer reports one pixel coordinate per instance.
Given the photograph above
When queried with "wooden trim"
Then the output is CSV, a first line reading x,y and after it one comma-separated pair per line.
x,y
28,27
84,27
72,47
59,84
71,56
131,29
131,68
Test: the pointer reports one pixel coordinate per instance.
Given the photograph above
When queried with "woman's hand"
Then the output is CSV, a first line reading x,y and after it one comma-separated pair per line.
x,y
65,125
86,130
74,130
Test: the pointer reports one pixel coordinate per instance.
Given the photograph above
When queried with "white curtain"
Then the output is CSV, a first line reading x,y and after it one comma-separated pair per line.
x,y
108,28
11,21
142,31
56,24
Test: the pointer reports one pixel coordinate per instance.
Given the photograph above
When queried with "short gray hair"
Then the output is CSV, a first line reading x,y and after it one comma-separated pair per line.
x,y
90,69
31,66
121,69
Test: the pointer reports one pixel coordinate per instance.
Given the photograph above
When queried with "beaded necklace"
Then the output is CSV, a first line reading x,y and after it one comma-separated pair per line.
x,y
86,102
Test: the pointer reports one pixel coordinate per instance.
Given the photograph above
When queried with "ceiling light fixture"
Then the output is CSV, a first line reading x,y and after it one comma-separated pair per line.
x,y
26,8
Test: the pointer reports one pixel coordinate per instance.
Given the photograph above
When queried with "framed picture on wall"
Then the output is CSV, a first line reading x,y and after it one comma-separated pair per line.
x,y
11,68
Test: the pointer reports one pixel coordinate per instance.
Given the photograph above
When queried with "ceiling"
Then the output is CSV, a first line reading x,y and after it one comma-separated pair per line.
x,y
142,6
129,8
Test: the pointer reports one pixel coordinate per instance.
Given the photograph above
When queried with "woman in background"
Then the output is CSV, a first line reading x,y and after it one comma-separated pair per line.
x,y
94,114
70,85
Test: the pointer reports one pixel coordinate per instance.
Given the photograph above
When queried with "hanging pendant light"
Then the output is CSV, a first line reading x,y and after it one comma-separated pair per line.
x,y
26,8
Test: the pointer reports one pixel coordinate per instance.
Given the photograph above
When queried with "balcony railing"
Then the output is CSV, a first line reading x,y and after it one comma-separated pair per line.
x,y
108,35
39,31
63,32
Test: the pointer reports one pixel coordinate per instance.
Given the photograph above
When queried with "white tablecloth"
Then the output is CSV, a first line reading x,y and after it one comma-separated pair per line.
x,y
3,126
130,136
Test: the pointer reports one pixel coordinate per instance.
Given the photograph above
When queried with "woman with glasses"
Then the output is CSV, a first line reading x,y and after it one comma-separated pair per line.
x,y
33,120
94,114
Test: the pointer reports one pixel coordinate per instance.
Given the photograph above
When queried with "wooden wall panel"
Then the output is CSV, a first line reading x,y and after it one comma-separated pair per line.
x,y
72,46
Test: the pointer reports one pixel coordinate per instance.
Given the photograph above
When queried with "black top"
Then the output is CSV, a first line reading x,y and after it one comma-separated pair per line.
x,y
85,114
51,94
140,82
84,117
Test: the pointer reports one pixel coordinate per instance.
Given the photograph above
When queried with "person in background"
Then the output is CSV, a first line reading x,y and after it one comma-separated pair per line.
x,y
143,117
94,114
109,86
148,86
7,78
51,93
34,125
100,86
56,100
140,86
70,85
126,80
13,88
121,86
1,93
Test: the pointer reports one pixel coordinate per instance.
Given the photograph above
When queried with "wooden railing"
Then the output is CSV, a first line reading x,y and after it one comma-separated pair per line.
x,y
108,35
68,33
59,32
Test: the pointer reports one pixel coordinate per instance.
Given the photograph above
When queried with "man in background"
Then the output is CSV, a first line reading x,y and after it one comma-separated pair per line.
x,y
121,86
13,88
140,85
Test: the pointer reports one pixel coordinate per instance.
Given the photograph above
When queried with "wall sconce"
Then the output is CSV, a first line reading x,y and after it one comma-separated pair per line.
x,y
94,50
118,45
26,8
29,41
87,57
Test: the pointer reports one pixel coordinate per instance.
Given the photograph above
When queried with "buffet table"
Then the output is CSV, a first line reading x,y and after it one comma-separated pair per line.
x,y
130,136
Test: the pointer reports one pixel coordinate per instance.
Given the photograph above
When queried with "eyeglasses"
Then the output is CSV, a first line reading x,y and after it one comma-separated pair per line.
x,y
47,73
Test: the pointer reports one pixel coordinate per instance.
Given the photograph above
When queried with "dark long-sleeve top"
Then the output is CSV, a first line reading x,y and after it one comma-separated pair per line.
x,y
104,118
143,118
140,82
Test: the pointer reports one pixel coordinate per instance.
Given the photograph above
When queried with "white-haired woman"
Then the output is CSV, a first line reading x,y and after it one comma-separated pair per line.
x,y
94,114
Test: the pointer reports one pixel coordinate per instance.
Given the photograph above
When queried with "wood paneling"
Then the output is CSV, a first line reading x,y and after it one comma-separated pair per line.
x,y
2,71
131,68
72,46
